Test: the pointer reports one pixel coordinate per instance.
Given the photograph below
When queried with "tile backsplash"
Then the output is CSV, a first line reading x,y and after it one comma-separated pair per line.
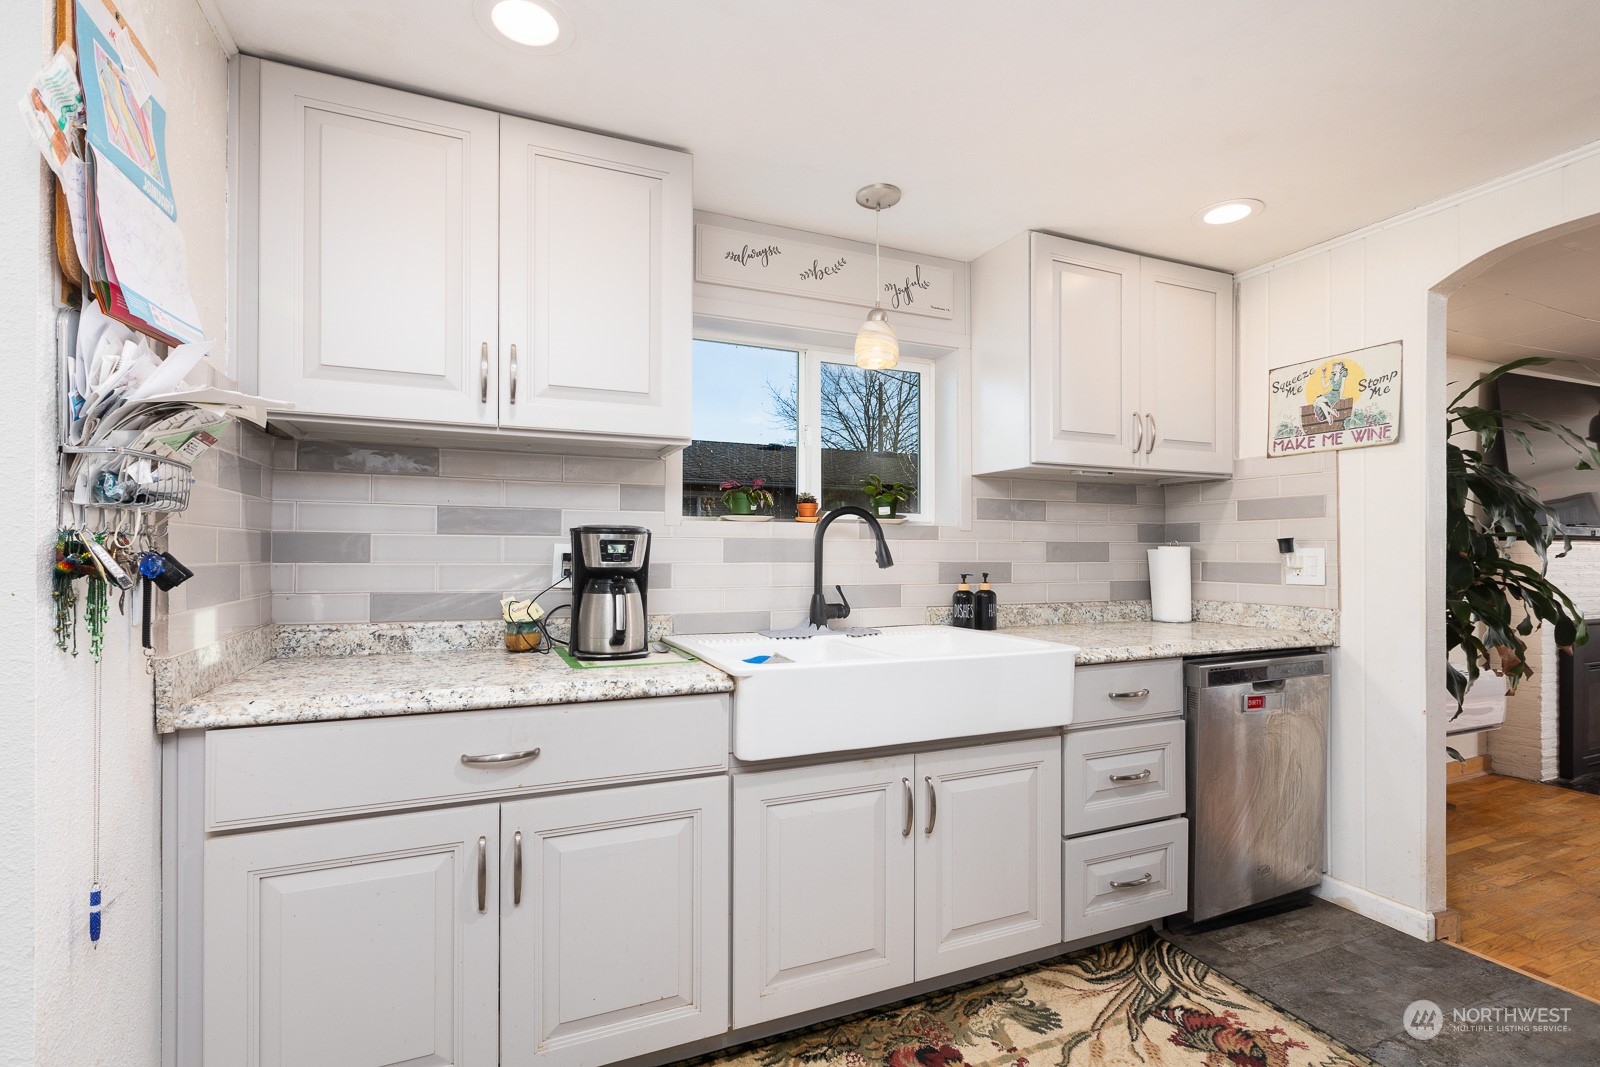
x,y
394,534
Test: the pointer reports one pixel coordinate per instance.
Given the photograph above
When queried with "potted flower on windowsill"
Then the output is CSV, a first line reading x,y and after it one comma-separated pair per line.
x,y
805,506
886,497
741,499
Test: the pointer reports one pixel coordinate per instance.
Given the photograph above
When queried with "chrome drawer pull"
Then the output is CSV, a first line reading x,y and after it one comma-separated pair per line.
x,y
500,757
1135,884
1138,443
483,375
911,808
933,805
1132,694
1141,776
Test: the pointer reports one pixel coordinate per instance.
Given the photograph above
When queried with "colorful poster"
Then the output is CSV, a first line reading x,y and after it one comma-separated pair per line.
x,y
127,125
1350,400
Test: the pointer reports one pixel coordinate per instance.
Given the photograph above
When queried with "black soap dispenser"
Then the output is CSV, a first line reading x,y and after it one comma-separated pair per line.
x,y
985,607
961,613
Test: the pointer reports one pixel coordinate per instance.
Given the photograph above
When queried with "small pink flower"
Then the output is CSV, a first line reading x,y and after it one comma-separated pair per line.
x,y
757,483
730,485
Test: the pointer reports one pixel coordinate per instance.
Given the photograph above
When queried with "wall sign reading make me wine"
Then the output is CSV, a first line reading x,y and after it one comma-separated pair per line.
x,y
1350,400
753,260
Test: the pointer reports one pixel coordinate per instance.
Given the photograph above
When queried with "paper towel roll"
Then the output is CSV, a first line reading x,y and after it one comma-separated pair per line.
x,y
1171,591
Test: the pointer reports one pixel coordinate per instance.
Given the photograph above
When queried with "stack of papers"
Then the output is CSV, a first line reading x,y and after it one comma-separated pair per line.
x,y
135,254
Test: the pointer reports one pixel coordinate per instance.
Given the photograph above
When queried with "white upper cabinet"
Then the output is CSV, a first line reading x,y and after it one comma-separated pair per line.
x,y
1186,359
596,270
1122,363
410,264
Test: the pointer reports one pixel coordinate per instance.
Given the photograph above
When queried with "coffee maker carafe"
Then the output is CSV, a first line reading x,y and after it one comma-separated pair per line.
x,y
610,576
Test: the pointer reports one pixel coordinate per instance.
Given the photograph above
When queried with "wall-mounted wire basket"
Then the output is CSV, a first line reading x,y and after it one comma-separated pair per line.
x,y
109,476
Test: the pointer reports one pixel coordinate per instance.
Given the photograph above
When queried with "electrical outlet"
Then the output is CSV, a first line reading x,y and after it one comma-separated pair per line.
x,y
561,567
1306,566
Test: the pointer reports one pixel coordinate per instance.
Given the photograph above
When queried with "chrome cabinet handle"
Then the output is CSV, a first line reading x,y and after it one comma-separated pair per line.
x,y
1123,778
495,758
483,875
1135,884
911,807
516,869
1138,428
1151,444
933,804
513,375
1132,694
483,375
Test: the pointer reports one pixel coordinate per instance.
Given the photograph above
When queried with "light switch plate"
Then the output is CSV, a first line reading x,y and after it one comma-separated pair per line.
x,y
561,566
1313,568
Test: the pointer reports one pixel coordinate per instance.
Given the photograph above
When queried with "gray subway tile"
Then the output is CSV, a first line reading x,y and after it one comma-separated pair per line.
x,y
362,518
1107,493
766,550
471,520
434,607
366,459
321,547
1283,507
873,596
211,586
988,507
517,466
910,531
643,498
950,572
1183,531
436,548
721,622
1152,533
1242,573
244,546
1130,590
1077,551
399,490
573,495
660,576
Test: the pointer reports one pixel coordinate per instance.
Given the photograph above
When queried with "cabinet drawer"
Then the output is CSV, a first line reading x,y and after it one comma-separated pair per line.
x,y
1120,775
266,774
1120,692
1124,877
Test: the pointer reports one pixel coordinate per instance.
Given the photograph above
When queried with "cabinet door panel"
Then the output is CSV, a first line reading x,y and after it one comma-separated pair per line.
x,y
988,874
352,943
595,279
1120,775
822,891
377,250
1187,364
1125,877
1085,354
619,944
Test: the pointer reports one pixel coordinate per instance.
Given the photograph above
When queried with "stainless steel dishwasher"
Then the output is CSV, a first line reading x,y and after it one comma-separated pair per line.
x,y
1258,780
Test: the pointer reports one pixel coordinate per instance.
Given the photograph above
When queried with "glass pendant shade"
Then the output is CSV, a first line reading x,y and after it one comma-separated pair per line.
x,y
877,348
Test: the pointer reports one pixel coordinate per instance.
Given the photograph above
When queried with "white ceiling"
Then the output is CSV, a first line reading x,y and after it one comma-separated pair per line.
x,y
1114,122
1541,301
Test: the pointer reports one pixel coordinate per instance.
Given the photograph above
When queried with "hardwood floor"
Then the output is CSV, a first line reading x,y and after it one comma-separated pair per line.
x,y
1524,874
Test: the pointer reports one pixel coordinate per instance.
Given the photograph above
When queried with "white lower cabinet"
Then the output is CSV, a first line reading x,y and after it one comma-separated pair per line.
x,y
358,942
822,885
614,928
1125,877
853,878
988,876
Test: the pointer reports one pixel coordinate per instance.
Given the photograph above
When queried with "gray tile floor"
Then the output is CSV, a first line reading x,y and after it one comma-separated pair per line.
x,y
1353,978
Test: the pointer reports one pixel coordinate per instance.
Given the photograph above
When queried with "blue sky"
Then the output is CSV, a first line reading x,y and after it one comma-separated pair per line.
x,y
730,392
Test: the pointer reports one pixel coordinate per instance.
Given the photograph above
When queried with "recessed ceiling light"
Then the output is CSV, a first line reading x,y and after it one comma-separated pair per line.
x,y
526,25
1230,211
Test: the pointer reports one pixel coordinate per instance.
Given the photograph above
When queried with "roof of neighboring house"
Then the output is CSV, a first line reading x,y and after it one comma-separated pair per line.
x,y
707,464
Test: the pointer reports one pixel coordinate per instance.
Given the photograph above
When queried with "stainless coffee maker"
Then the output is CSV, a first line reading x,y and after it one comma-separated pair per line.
x,y
610,573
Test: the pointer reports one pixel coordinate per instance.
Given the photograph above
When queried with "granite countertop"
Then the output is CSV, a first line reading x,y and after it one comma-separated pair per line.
x,y
1125,641
316,688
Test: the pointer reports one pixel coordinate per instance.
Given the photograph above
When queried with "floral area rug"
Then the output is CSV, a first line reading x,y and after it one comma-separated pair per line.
x,y
1137,1001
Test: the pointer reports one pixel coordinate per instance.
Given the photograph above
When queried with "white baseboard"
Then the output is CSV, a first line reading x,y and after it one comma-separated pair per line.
x,y
1391,913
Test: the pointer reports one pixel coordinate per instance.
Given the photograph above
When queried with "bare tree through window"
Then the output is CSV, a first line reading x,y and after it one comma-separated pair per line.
x,y
871,423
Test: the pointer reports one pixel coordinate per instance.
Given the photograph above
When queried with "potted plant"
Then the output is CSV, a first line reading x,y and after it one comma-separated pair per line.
x,y
1489,511
805,506
741,499
886,497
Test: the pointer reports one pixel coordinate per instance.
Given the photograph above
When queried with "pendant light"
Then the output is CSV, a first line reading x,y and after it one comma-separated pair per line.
x,y
877,348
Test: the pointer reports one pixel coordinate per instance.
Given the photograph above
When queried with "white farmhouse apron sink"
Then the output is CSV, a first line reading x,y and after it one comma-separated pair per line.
x,y
904,685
